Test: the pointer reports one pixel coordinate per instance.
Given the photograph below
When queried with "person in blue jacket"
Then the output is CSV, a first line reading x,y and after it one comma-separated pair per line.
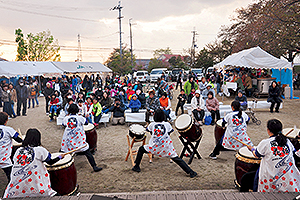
x,y
74,84
134,104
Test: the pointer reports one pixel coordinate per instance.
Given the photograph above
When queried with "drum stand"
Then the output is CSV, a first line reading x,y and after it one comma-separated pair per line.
x,y
190,148
134,152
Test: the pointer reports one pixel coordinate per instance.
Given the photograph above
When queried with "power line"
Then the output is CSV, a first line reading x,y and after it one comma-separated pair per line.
x,y
48,15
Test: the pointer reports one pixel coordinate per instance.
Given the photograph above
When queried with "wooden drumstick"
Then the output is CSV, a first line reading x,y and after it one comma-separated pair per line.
x,y
19,131
75,150
241,142
289,132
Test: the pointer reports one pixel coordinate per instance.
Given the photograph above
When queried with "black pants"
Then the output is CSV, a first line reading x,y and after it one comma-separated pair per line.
x,y
199,115
47,104
179,83
21,102
177,160
215,114
90,158
148,114
7,172
273,104
248,92
247,181
218,147
179,105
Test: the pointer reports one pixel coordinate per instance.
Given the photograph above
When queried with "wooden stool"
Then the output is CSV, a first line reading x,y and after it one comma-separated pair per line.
x,y
134,152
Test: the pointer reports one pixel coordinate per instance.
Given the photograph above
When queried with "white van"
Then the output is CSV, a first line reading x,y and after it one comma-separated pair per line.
x,y
156,73
142,76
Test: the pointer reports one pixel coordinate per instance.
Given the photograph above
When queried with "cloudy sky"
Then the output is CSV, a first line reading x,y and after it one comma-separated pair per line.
x,y
157,24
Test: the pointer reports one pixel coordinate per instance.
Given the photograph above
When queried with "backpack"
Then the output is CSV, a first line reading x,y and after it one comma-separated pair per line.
x,y
208,120
32,91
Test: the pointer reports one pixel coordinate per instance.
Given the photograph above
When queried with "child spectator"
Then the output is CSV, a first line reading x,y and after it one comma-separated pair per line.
x,y
191,95
97,112
134,104
181,101
142,98
54,101
82,108
212,105
89,106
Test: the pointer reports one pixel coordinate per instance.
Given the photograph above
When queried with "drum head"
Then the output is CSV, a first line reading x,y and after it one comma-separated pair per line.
x,y
137,129
88,127
183,121
244,151
68,158
219,123
293,134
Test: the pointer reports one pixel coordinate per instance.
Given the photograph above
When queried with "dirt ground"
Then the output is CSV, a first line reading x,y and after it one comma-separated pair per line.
x,y
160,175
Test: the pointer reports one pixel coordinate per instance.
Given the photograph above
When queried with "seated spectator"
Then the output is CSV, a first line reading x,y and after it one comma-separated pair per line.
x,y
165,105
212,105
152,104
89,105
142,98
80,97
181,101
191,95
69,102
248,85
208,89
106,102
53,104
130,92
118,110
82,108
198,106
242,99
122,97
113,92
134,104
239,82
96,112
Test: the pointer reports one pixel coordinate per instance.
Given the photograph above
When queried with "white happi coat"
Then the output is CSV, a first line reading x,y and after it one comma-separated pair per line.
x,y
6,135
74,135
160,143
238,128
29,176
277,171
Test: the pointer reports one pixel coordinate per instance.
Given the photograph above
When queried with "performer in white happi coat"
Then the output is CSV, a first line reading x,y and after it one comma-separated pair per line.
x,y
236,127
74,135
161,144
29,176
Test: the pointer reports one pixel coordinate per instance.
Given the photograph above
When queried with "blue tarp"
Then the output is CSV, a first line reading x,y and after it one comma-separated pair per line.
x,y
285,77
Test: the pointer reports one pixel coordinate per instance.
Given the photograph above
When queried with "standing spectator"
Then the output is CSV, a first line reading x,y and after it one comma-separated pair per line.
x,y
202,85
47,93
181,101
219,81
118,110
32,92
198,106
179,80
212,105
189,85
35,83
74,84
274,93
64,88
107,80
13,98
22,95
248,85
6,96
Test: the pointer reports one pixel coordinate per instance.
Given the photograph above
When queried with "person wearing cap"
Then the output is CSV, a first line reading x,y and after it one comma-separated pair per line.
x,y
202,85
118,110
152,104
134,104
22,95
198,106
242,99
165,105
189,85
207,90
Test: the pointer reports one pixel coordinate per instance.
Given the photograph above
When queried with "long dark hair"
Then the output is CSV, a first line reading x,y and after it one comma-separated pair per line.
x,y
237,107
275,126
159,116
32,138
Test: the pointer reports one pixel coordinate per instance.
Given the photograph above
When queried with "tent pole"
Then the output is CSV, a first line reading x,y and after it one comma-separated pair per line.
x,y
223,82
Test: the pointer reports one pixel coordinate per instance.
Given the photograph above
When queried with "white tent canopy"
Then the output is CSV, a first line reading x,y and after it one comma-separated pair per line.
x,y
11,69
254,58
76,67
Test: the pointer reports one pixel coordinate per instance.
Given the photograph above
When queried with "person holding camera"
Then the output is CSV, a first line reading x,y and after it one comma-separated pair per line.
x,y
118,110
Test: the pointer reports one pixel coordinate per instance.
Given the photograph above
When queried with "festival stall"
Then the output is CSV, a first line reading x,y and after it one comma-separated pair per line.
x,y
257,58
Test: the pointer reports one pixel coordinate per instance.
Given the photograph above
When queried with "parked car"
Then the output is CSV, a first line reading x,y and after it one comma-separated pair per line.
x,y
198,72
142,76
156,73
175,73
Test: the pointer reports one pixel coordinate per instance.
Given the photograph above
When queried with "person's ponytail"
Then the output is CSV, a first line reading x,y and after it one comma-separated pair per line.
x,y
275,126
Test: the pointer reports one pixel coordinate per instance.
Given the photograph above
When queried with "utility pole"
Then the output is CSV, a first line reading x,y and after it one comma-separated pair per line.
x,y
79,53
194,32
131,49
119,7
